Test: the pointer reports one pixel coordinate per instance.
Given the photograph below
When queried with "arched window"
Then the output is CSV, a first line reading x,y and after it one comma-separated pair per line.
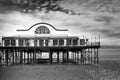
x,y
42,30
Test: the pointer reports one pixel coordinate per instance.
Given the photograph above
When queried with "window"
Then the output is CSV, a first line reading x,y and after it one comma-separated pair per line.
x,y
42,30
41,42
7,42
27,42
61,42
75,41
82,41
20,42
13,42
46,42
55,42
35,42
69,41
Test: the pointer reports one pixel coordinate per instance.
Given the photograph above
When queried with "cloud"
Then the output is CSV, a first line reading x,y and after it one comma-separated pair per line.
x,y
81,17
106,19
111,33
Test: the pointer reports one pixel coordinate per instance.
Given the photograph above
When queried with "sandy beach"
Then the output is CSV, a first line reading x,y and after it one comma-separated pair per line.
x,y
106,70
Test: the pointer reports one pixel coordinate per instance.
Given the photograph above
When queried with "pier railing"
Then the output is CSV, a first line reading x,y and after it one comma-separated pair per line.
x,y
93,44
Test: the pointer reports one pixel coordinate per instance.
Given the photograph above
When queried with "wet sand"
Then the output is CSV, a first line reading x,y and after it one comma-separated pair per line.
x,y
106,70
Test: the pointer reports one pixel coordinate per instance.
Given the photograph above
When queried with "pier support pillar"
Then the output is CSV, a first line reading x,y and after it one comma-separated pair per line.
x,y
21,57
6,56
58,57
13,53
24,57
50,57
82,57
67,56
91,55
63,57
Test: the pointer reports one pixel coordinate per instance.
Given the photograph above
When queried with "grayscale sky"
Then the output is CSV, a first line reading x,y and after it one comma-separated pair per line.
x,y
82,17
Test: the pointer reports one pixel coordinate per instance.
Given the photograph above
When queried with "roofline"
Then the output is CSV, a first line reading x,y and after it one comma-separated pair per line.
x,y
34,37
42,23
42,37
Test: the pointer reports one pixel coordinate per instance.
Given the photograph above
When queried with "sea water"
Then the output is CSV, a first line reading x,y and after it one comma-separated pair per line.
x,y
109,54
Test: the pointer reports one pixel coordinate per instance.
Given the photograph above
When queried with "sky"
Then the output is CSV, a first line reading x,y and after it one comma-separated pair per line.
x,y
90,18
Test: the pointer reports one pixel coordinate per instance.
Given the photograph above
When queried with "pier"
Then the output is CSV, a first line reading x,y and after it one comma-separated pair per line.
x,y
43,48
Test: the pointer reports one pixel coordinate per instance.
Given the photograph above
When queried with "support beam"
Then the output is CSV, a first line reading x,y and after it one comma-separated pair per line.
x,y
21,57
85,57
97,56
28,57
74,58
50,56
82,57
13,58
35,57
6,56
58,57
34,51
63,57
24,57
78,57
91,56
67,56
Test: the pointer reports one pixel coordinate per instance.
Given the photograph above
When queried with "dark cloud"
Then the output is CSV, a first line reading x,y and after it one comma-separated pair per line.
x,y
32,5
115,35
104,18
111,33
27,6
6,8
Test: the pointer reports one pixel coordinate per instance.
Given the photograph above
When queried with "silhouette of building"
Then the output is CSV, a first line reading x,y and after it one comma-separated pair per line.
x,y
43,43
